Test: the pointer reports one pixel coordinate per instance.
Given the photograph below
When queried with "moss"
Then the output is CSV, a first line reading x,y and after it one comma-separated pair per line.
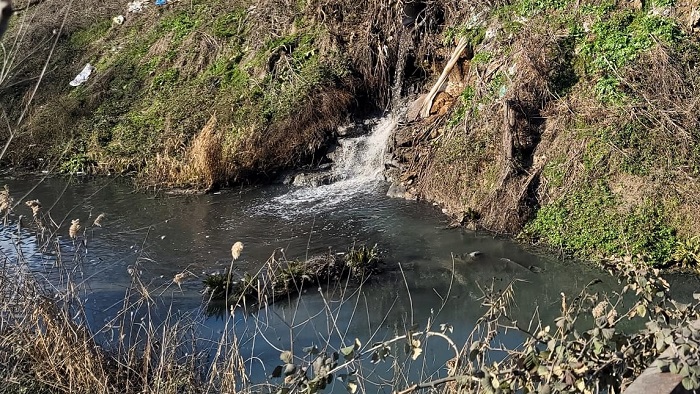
x,y
589,222
473,34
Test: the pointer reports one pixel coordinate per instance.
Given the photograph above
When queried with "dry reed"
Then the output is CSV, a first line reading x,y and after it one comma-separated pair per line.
x,y
236,250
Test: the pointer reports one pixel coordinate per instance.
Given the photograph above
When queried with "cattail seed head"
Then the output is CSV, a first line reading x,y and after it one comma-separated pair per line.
x,y
5,200
98,220
74,228
35,205
179,278
236,250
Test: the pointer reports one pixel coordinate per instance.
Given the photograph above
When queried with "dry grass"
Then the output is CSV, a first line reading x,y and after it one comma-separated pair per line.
x,y
47,345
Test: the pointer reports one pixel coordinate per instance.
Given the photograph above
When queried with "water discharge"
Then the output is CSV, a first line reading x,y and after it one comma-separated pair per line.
x,y
358,169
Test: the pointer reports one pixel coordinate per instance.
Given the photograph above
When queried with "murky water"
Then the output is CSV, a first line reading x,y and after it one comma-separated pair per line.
x,y
169,234
426,275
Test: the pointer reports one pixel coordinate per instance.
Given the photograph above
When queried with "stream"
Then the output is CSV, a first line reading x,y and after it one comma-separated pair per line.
x,y
428,274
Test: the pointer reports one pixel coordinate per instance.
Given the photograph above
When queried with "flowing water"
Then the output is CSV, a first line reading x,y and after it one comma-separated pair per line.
x,y
162,235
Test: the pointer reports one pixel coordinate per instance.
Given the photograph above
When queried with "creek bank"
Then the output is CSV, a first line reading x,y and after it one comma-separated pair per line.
x,y
573,125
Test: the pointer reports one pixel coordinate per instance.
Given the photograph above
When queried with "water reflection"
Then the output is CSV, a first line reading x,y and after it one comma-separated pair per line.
x,y
163,235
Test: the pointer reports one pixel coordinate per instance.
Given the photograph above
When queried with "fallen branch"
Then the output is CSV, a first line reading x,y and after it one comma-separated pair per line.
x,y
428,101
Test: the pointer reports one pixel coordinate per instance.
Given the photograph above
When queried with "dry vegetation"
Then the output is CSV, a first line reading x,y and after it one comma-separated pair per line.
x,y
48,343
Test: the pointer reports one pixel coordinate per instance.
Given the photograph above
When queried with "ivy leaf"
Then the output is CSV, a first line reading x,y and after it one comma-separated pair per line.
x,y
348,352
277,372
608,333
641,310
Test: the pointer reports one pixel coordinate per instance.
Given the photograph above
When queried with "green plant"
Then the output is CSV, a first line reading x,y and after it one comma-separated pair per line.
x,y
618,38
466,106
231,25
180,24
362,260
589,222
77,163
482,57
473,34
687,252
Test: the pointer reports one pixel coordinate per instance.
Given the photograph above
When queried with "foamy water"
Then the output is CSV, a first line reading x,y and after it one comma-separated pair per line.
x,y
358,166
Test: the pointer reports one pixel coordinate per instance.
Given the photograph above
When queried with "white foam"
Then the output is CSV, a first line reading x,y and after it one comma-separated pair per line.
x,y
359,168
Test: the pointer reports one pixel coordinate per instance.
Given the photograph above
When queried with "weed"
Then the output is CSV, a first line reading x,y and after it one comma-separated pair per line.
x,y
687,252
588,222
466,107
231,25
482,57
180,24
165,79
473,35
77,163
617,39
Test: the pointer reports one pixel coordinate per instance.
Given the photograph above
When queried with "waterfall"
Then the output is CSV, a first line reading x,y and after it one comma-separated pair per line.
x,y
361,159
358,169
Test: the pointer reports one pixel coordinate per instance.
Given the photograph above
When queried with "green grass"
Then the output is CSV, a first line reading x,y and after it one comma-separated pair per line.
x,y
590,221
87,36
616,39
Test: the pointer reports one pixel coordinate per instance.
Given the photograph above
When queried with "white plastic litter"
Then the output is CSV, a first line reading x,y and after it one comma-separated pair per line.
x,y
83,76
118,20
136,6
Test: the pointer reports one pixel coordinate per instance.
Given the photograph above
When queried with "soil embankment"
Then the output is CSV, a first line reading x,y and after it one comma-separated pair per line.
x,y
571,123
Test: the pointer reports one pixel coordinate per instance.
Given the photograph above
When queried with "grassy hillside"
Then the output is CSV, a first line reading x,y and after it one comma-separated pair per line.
x,y
574,124
567,122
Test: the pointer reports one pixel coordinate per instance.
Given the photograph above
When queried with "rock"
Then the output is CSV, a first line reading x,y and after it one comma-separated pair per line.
x,y
313,179
396,190
414,108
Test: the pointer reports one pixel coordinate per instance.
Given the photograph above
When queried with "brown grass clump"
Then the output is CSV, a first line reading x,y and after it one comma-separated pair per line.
x,y
47,344
205,158
204,165
41,346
